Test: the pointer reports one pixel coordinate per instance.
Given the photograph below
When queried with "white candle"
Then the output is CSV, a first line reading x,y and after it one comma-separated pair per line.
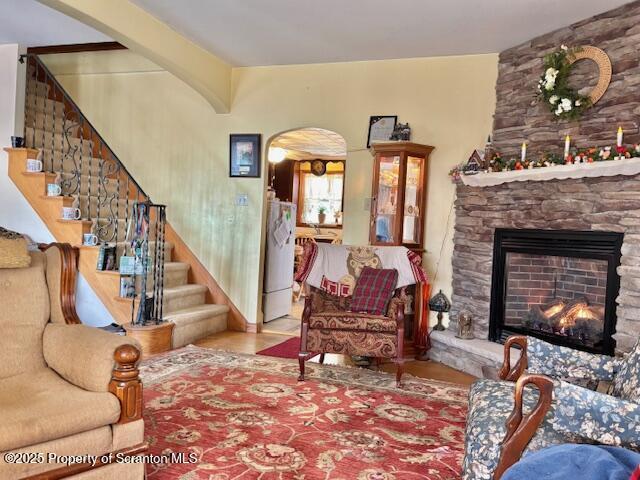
x,y
619,136
523,153
567,144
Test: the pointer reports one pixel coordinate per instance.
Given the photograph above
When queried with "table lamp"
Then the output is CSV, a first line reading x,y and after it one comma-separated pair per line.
x,y
441,304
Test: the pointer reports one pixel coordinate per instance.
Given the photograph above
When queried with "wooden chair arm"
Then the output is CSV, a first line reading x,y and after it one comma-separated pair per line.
x,y
126,384
521,428
513,374
68,273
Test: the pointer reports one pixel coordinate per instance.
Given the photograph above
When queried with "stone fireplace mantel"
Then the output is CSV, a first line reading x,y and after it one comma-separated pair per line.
x,y
608,168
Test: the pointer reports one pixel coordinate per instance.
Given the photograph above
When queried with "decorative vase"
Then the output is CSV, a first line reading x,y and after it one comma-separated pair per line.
x,y
321,218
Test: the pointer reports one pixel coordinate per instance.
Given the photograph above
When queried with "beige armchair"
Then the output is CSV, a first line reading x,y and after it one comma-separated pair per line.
x,y
65,388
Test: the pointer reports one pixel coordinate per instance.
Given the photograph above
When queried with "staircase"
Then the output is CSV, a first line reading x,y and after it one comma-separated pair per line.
x,y
94,180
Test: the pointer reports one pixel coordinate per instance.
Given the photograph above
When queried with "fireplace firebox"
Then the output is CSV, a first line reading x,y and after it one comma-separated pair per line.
x,y
556,285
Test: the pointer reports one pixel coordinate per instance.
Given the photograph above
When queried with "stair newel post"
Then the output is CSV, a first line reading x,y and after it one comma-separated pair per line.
x,y
156,264
144,222
163,221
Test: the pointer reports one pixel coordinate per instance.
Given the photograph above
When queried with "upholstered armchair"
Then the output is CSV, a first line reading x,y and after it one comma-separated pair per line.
x,y
499,431
65,388
329,327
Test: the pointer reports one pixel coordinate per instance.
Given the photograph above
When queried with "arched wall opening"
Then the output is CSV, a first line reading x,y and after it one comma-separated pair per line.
x,y
305,199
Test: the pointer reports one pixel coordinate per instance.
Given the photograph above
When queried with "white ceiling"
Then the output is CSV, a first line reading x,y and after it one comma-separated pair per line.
x,y
311,143
274,32
32,24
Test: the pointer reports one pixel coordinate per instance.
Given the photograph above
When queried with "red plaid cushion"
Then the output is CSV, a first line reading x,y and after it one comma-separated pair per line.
x,y
374,290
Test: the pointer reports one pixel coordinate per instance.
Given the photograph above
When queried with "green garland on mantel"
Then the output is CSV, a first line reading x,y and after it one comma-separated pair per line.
x,y
498,163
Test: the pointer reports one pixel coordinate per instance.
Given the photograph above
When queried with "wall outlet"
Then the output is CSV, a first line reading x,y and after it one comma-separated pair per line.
x,y
242,200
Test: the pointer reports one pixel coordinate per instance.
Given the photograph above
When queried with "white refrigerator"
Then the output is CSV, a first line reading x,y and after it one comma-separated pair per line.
x,y
279,257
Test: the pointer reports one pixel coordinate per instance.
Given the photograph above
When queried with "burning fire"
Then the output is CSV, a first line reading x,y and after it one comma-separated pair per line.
x,y
575,318
553,310
566,315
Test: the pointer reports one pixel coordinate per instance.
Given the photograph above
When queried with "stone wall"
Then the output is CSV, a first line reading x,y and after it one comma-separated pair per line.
x,y
603,204
518,117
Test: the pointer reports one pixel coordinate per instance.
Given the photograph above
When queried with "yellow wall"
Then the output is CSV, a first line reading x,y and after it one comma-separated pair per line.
x,y
176,146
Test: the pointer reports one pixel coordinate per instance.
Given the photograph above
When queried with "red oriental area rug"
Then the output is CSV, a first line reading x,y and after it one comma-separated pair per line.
x,y
287,349
245,417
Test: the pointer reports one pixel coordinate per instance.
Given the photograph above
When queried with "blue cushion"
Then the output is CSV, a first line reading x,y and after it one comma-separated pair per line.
x,y
584,462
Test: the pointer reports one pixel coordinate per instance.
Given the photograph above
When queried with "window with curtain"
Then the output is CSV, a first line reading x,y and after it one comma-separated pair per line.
x,y
322,194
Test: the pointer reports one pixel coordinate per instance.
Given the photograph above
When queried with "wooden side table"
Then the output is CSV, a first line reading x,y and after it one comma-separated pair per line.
x,y
153,339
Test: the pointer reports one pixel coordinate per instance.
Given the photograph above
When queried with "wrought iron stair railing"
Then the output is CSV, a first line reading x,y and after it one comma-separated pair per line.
x,y
88,170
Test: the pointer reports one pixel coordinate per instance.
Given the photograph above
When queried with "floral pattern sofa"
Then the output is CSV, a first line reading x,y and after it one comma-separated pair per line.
x,y
576,414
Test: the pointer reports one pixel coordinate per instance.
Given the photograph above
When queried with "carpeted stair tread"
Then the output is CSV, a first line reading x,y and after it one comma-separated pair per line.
x,y
183,296
184,290
176,266
196,322
196,313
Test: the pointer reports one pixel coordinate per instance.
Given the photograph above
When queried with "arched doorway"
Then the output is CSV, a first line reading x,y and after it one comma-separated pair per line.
x,y
306,177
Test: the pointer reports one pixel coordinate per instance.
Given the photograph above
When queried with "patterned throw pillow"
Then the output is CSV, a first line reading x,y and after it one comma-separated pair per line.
x,y
335,288
374,290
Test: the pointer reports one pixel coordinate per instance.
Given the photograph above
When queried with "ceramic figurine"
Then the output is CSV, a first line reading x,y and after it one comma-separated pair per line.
x,y
465,326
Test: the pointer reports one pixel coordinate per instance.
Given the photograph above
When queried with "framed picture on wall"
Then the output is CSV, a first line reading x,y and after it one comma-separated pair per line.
x,y
244,155
380,128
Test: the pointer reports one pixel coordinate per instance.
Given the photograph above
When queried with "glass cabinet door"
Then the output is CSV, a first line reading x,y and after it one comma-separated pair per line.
x,y
411,223
386,206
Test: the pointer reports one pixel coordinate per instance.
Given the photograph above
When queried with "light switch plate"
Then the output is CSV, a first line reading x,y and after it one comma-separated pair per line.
x,y
367,204
242,200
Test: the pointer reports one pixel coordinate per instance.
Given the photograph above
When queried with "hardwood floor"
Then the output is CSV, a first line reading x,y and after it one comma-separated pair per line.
x,y
254,342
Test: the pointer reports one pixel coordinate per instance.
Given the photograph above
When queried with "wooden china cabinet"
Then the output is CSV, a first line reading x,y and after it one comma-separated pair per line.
x,y
397,219
399,194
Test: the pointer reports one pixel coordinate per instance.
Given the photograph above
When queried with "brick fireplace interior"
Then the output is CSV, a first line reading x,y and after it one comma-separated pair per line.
x,y
560,286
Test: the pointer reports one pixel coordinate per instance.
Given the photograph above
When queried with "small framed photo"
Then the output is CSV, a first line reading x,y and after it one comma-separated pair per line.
x,y
380,128
244,155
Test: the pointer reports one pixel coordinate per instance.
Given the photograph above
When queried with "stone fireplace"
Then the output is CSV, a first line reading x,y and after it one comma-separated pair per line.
x,y
603,206
557,285
598,204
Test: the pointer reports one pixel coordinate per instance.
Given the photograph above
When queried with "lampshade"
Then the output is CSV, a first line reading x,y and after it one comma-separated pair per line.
x,y
439,303
276,154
